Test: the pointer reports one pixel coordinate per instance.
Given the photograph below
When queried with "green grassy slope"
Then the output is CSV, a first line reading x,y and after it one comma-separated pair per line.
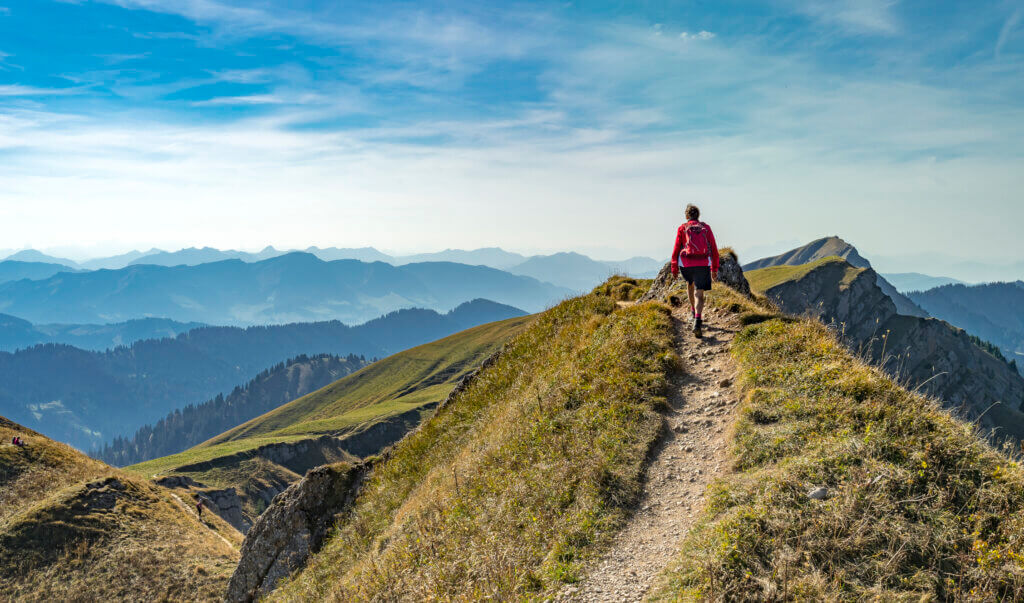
x,y
75,529
399,383
504,492
919,507
765,278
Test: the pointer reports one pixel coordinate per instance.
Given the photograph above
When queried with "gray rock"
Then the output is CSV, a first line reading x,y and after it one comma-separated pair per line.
x,y
293,528
924,353
818,494
228,505
729,274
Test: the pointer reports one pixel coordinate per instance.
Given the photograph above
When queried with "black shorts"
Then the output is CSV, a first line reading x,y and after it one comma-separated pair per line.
x,y
700,276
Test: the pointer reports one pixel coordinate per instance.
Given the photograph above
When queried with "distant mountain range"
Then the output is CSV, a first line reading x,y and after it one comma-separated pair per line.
x,y
16,333
570,272
85,398
994,312
906,282
980,268
834,246
15,270
297,287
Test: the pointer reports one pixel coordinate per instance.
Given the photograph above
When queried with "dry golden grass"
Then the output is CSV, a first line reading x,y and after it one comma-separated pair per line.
x,y
920,508
56,544
505,492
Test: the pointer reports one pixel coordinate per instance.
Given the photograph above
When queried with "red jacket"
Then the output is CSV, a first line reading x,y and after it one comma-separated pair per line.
x,y
686,262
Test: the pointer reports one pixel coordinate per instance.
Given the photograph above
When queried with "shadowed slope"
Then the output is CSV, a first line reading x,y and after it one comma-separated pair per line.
x,y
72,528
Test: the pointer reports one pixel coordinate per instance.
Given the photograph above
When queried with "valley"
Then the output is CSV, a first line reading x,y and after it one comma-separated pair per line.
x,y
103,395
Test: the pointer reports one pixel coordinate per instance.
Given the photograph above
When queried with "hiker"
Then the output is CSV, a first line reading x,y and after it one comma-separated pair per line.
x,y
695,255
18,441
199,508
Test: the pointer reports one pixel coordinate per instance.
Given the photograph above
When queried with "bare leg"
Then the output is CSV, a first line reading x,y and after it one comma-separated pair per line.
x,y
690,290
699,307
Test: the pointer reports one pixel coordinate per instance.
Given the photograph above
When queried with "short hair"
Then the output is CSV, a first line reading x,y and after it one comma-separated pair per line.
x,y
692,212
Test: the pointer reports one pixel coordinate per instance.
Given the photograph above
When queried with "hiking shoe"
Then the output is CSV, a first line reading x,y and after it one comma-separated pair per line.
x,y
698,327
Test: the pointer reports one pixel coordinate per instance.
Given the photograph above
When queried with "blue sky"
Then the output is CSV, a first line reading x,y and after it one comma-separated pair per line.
x,y
416,126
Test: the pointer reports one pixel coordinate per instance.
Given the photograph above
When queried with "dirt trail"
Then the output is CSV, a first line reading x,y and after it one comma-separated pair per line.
x,y
691,454
188,511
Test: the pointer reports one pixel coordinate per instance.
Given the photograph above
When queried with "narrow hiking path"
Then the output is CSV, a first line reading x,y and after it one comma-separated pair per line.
x,y
691,454
188,511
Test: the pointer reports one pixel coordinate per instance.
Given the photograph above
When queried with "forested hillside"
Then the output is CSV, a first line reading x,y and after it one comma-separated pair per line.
x,y
993,312
197,423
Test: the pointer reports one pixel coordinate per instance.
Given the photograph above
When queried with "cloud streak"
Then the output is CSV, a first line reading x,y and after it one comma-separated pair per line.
x,y
428,129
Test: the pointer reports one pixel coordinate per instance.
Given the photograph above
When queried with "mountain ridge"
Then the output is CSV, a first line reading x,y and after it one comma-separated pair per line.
x,y
835,246
928,353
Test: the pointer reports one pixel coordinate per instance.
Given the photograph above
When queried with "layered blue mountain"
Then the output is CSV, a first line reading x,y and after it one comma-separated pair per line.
x,y
32,255
86,397
16,333
193,256
580,273
993,312
15,270
296,287
906,282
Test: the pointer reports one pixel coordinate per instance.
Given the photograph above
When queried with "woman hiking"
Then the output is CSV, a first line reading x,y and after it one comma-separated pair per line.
x,y
695,255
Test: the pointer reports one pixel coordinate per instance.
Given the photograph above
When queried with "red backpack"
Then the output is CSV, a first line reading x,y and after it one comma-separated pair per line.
x,y
698,244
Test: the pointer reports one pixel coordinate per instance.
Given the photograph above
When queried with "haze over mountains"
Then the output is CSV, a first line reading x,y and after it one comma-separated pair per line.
x,y
297,287
556,267
85,398
16,333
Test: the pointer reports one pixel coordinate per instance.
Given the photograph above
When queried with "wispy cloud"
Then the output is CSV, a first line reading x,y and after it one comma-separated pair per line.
x,y
1006,31
700,35
854,16
19,90
376,124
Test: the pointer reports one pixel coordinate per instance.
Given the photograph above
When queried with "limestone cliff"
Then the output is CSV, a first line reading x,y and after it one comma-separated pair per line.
x,y
924,353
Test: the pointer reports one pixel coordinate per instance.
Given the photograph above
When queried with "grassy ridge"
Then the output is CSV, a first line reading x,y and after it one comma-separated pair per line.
x,y
765,278
504,492
75,529
399,383
919,508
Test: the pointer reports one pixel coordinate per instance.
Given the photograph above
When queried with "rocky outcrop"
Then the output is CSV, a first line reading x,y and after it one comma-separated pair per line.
x,y
924,353
298,456
225,502
100,495
293,528
228,506
839,295
177,481
729,273
836,247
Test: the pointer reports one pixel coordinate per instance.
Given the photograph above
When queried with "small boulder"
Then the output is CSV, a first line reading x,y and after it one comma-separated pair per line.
x,y
818,494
